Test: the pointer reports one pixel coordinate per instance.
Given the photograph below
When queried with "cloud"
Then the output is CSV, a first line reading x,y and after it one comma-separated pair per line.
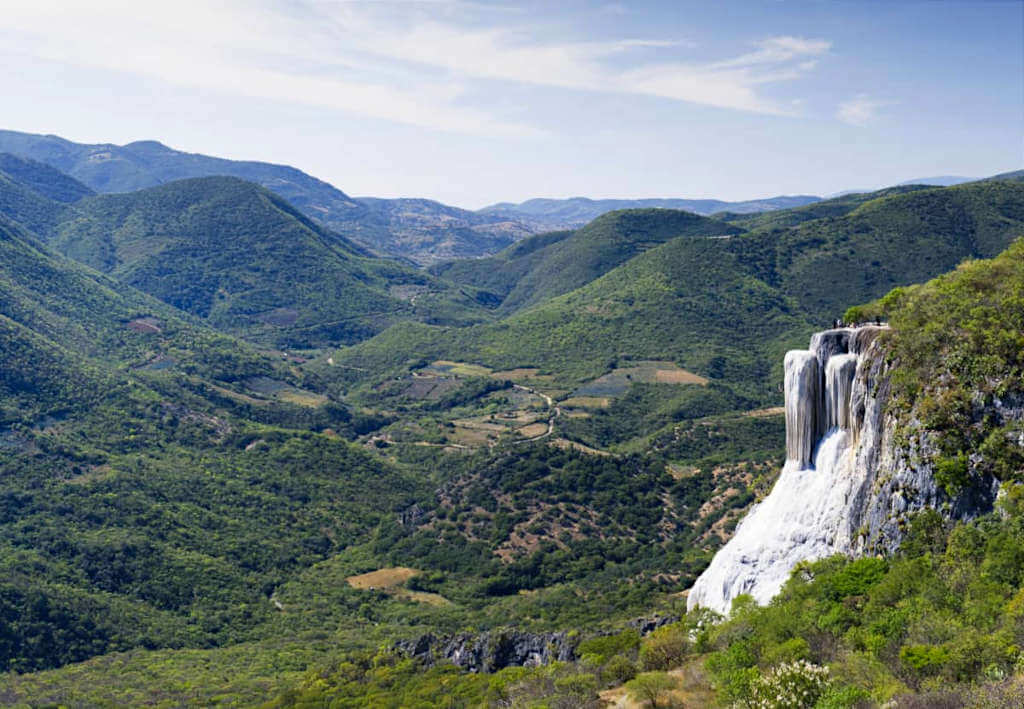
x,y
859,110
427,64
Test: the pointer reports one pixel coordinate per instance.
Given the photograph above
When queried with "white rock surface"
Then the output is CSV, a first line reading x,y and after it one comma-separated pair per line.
x,y
808,513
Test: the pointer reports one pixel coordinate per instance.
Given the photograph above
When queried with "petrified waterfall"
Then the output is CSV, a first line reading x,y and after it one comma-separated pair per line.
x,y
808,513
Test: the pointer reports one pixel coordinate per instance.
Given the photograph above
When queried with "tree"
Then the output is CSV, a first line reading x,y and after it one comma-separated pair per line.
x,y
651,687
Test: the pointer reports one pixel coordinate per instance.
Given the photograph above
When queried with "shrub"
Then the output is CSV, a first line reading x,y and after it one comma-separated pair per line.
x,y
665,648
618,670
794,685
651,688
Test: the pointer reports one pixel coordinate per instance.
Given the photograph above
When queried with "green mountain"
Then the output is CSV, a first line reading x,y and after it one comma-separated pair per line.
x,y
891,240
724,308
34,194
835,207
547,265
690,300
245,260
43,179
151,495
553,214
421,230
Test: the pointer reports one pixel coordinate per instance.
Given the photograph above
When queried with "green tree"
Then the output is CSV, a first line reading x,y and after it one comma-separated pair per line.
x,y
651,688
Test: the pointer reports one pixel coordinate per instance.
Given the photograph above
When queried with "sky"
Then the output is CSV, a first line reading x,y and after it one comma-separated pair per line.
x,y
472,103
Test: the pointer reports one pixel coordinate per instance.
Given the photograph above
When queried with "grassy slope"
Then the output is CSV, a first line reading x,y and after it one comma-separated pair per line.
x,y
239,256
546,265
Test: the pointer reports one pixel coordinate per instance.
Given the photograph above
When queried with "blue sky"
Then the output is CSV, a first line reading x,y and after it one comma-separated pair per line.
x,y
477,102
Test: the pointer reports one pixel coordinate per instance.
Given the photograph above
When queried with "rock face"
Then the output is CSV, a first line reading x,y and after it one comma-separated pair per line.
x,y
493,651
847,486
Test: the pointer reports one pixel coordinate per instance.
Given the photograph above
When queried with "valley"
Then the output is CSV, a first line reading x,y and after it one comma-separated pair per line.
x,y
244,456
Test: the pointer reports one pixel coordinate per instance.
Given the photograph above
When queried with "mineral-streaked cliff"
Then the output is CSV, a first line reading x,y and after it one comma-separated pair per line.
x,y
847,485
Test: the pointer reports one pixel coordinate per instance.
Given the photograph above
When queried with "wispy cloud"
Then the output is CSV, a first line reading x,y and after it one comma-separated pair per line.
x,y
427,64
859,110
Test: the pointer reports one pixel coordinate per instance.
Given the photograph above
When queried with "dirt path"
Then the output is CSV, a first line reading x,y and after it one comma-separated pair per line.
x,y
555,413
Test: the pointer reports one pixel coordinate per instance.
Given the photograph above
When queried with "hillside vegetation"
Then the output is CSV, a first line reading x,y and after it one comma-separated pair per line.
x,y
558,441
943,619
690,301
547,265
893,240
246,261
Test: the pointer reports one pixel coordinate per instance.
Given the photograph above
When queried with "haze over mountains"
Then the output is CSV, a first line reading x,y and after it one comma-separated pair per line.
x,y
551,214
421,230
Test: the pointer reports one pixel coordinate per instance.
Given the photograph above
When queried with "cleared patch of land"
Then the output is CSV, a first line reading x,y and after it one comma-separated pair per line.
x,y
464,369
273,389
762,413
382,579
565,443
301,397
587,402
618,381
533,430
391,580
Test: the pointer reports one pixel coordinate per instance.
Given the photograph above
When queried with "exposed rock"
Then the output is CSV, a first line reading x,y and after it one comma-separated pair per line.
x,y
646,626
411,516
853,488
492,651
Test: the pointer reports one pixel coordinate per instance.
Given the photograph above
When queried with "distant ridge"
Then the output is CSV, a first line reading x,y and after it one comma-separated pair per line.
x,y
940,181
551,214
418,230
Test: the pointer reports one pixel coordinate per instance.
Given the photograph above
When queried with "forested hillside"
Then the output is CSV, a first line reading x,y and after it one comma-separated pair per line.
x,y
241,258
724,308
885,242
548,265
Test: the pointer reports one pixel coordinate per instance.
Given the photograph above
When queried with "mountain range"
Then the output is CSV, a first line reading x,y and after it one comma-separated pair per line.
x,y
422,231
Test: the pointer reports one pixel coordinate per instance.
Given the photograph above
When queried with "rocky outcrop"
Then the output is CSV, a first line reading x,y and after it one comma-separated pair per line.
x,y
854,473
492,651
498,649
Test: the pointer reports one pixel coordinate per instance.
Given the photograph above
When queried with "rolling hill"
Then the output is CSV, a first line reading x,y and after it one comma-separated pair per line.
x,y
245,260
894,239
690,300
724,308
547,265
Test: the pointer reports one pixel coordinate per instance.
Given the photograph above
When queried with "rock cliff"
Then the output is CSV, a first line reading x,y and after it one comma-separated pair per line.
x,y
854,473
